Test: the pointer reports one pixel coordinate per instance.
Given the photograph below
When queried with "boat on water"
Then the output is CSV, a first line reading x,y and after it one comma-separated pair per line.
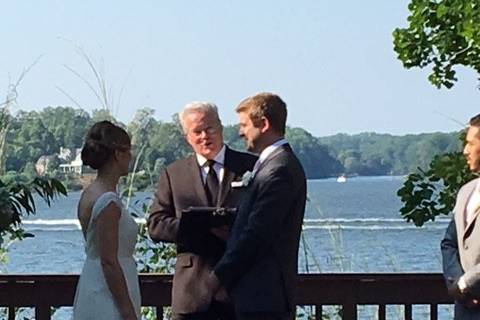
x,y
342,178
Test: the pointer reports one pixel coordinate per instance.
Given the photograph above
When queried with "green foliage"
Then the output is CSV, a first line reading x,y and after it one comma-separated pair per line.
x,y
157,144
34,134
154,257
428,194
315,157
385,154
67,125
17,200
5,119
103,114
441,34
151,257
232,139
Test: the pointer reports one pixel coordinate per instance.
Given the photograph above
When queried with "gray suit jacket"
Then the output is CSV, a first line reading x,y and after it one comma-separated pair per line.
x,y
259,267
181,186
461,250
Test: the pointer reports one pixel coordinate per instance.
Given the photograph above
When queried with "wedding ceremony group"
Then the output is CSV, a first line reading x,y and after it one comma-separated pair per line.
x,y
235,219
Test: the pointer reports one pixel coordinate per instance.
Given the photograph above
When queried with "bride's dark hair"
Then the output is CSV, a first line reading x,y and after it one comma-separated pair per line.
x,y
101,142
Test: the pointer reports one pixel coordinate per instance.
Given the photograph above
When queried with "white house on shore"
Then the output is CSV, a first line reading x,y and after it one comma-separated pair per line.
x,y
75,166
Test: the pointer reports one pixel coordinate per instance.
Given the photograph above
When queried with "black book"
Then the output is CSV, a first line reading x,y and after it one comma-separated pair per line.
x,y
194,229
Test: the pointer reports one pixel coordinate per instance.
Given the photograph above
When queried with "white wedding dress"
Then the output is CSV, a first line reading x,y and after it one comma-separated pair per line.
x,y
93,299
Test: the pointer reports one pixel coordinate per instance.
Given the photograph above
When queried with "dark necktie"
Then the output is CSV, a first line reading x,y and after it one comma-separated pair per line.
x,y
211,184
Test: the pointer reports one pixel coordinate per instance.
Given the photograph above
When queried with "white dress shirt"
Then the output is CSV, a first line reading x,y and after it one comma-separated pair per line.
x,y
218,166
268,151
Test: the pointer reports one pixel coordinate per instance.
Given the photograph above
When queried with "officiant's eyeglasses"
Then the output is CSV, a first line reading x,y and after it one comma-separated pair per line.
x,y
209,131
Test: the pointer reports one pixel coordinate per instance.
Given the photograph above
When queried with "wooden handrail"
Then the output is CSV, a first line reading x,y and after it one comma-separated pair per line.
x,y
44,291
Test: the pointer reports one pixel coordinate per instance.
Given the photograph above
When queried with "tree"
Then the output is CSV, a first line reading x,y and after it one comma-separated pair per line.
x,y
68,125
428,193
102,115
315,158
5,115
16,200
27,140
167,142
232,138
141,125
441,34
140,128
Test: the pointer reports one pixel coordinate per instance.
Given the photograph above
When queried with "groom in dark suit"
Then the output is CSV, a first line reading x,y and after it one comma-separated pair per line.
x,y
206,178
259,267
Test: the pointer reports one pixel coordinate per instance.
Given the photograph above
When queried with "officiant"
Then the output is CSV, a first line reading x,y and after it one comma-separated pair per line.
x,y
211,177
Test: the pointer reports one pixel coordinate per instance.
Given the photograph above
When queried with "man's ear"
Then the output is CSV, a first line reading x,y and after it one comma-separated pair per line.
x,y
264,125
116,155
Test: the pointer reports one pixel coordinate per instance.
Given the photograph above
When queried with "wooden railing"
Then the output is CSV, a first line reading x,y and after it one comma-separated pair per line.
x,y
348,291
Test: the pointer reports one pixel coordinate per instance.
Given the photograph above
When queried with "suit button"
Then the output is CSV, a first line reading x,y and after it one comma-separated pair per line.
x,y
465,247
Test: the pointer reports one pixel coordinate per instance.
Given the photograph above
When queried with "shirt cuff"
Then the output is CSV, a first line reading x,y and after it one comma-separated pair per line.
x,y
462,285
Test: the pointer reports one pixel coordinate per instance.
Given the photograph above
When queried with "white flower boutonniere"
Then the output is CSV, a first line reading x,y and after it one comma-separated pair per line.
x,y
246,179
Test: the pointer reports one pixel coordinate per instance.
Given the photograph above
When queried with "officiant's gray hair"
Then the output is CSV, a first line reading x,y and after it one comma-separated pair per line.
x,y
198,106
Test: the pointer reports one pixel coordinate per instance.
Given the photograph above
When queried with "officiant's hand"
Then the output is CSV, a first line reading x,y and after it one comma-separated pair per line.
x,y
220,232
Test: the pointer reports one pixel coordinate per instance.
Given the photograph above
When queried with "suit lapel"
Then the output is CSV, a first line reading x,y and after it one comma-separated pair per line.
x,y
472,222
228,176
463,209
283,148
197,179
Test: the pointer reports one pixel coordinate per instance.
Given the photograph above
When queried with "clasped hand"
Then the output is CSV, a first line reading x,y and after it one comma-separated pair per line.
x,y
220,232
464,298
218,292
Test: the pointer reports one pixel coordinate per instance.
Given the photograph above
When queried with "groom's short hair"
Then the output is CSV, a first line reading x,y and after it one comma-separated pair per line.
x,y
475,121
198,106
268,105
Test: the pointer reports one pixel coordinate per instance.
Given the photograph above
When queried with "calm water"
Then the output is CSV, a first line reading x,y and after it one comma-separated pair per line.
x,y
349,227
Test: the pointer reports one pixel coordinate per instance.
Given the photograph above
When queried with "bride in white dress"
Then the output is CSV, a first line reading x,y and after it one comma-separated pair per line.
x,y
108,286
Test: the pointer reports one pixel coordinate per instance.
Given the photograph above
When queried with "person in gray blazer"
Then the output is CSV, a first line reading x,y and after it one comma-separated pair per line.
x,y
186,183
259,267
461,244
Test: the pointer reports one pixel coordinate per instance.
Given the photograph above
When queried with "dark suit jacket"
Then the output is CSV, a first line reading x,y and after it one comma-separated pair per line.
x,y
259,267
180,187
461,251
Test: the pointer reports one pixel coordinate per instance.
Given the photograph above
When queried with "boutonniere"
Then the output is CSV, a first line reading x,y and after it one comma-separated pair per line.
x,y
246,179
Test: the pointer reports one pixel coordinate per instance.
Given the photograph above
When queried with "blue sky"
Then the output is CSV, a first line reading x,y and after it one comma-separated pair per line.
x,y
332,61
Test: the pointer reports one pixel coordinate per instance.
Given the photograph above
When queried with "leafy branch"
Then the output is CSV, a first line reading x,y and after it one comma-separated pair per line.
x,y
17,201
441,34
428,194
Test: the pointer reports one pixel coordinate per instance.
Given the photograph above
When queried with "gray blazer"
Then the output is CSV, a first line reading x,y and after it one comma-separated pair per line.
x,y
461,250
181,186
259,267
